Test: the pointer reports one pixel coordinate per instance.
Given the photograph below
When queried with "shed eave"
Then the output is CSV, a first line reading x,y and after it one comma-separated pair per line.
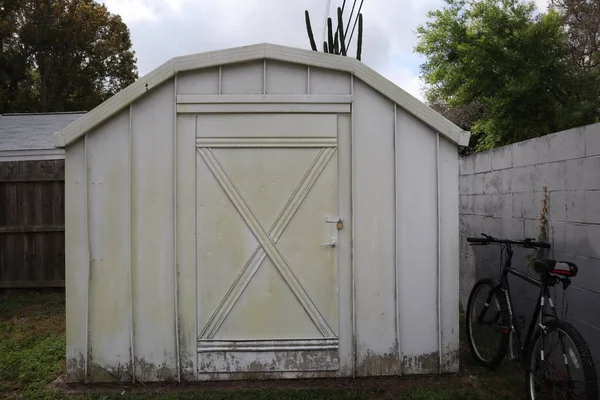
x,y
209,59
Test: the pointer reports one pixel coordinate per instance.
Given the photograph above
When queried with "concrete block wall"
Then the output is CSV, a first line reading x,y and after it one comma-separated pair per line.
x,y
501,193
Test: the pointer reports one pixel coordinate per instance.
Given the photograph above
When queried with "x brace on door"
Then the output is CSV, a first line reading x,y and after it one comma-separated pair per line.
x,y
267,242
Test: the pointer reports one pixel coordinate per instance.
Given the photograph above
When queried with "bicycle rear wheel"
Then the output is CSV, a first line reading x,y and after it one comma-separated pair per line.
x,y
488,323
560,365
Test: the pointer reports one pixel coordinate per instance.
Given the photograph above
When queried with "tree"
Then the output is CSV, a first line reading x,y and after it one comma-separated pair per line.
x,y
582,25
65,55
510,69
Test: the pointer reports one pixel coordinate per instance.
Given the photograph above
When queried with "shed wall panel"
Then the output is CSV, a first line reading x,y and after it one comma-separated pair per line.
x,y
417,208
374,232
204,81
186,243
108,189
76,260
286,78
243,78
152,236
327,81
449,254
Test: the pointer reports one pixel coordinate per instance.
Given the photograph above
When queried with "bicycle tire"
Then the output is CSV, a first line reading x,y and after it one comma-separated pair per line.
x,y
505,319
587,362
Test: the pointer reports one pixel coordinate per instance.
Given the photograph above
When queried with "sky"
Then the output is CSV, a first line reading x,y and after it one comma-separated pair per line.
x,y
162,29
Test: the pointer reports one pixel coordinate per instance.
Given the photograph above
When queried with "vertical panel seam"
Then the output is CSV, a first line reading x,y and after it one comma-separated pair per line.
x,y
265,76
175,269
353,255
439,317
89,260
308,79
220,79
196,299
130,174
396,240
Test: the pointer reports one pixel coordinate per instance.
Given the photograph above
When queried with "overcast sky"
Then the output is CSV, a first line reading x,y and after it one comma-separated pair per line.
x,y
161,29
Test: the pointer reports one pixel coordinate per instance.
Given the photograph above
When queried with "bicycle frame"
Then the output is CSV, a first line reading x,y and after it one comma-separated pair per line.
x,y
538,314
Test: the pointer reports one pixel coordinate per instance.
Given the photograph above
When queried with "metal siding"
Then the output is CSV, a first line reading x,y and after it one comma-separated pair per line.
x,y
76,260
345,235
449,254
243,78
286,78
329,81
108,188
417,213
152,236
204,81
374,232
186,244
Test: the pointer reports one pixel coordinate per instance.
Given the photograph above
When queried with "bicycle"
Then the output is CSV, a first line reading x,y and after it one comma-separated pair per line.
x,y
541,326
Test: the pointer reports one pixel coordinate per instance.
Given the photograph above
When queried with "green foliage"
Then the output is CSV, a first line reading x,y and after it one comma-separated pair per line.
x,y
513,67
61,55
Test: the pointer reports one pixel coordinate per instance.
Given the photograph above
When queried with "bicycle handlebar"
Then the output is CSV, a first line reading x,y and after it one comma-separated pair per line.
x,y
527,242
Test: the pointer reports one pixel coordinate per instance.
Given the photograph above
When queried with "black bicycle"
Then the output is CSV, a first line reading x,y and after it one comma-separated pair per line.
x,y
570,373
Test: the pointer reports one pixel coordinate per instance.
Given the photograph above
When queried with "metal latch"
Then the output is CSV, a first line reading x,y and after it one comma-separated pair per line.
x,y
332,243
337,220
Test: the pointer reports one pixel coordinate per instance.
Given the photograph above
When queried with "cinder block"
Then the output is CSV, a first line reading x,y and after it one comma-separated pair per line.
x,y
476,183
467,165
557,234
492,226
492,183
517,205
463,204
524,153
592,140
531,204
551,175
542,149
530,227
567,144
580,302
593,232
521,180
576,207
590,176
483,162
575,171
592,207
513,228
590,333
463,187
578,240
588,276
502,158
558,204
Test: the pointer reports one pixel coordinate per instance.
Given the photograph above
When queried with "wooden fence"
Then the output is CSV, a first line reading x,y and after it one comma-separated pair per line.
x,y
32,215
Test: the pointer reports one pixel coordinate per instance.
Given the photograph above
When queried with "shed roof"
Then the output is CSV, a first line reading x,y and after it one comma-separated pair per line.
x,y
267,51
32,131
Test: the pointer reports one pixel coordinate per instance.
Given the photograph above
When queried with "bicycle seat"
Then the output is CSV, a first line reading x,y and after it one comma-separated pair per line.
x,y
565,268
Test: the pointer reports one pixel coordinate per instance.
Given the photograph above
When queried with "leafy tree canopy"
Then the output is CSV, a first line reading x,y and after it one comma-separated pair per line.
x,y
505,73
61,55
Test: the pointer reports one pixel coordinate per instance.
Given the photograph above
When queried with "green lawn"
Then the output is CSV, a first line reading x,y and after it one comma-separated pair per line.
x,y
32,348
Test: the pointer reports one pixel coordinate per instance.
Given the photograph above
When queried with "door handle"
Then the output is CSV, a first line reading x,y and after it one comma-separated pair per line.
x,y
331,244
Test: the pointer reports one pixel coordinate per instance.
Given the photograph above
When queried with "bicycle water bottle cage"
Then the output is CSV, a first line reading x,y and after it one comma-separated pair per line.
x,y
564,268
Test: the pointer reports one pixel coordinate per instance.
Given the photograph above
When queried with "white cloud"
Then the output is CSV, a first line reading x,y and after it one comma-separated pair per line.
x,y
162,29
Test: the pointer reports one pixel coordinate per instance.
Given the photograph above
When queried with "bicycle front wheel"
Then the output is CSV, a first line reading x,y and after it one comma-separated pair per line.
x,y
488,323
560,365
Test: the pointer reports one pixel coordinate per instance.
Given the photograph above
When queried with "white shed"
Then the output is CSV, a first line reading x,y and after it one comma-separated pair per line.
x,y
263,212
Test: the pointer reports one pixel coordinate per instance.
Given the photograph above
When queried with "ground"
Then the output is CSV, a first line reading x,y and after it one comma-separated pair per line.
x,y
32,348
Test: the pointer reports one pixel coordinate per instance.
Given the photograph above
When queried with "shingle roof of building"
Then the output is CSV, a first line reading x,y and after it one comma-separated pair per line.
x,y
32,131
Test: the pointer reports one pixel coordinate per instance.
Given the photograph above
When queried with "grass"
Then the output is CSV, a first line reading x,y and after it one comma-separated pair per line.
x,y
32,355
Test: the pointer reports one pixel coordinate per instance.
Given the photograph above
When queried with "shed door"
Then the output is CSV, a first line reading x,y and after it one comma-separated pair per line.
x,y
267,242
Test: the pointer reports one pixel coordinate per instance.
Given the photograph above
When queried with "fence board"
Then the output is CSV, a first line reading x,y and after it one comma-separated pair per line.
x,y
32,243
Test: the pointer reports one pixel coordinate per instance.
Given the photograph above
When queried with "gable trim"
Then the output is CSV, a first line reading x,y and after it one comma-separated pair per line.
x,y
309,58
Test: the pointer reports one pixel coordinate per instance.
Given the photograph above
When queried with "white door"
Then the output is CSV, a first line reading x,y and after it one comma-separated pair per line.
x,y
268,243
